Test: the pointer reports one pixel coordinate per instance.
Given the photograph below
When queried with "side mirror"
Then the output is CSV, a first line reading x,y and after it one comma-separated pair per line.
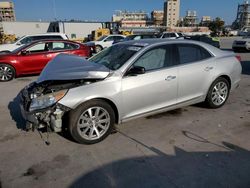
x,y
23,52
136,70
19,43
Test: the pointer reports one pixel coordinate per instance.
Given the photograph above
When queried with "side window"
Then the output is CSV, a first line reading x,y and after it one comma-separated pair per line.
x,y
189,53
58,46
137,37
152,59
109,39
166,35
118,38
71,46
63,46
41,47
172,35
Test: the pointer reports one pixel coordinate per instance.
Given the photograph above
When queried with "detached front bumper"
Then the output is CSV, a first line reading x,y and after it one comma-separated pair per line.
x,y
50,117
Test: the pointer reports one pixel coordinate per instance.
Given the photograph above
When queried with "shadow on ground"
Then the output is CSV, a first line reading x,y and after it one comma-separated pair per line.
x,y
15,112
229,168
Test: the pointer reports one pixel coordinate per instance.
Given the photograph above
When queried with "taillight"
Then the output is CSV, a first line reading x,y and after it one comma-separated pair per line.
x,y
238,57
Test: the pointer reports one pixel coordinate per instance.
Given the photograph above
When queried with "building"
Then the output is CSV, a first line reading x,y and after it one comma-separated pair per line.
x,y
126,15
132,19
74,30
7,12
205,20
191,19
171,13
243,16
157,17
191,30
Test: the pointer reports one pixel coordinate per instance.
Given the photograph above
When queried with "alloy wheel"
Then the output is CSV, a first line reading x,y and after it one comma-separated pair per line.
x,y
6,73
219,93
93,123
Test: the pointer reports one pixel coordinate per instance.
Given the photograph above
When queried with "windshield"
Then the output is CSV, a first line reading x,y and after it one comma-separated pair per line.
x,y
115,56
103,37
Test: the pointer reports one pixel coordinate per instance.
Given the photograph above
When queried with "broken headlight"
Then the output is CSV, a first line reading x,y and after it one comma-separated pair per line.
x,y
47,100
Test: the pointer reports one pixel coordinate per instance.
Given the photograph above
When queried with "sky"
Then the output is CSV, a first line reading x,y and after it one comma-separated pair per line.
x,y
102,10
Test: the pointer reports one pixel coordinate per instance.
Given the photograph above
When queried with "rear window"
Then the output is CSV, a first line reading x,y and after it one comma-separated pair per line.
x,y
189,53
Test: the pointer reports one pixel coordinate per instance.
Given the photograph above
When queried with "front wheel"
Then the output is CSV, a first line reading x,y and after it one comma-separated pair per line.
x,y
91,122
218,93
7,72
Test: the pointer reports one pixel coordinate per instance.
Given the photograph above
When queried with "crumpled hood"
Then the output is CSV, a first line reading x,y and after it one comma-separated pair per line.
x,y
71,67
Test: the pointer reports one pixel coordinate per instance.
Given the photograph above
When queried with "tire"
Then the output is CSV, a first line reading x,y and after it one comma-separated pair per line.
x,y
218,93
7,72
98,48
87,130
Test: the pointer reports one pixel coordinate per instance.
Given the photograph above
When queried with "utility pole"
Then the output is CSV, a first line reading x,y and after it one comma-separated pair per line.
x,y
54,9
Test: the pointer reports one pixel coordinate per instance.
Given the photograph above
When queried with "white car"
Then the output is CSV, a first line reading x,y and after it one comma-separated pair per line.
x,y
30,38
241,44
172,35
106,41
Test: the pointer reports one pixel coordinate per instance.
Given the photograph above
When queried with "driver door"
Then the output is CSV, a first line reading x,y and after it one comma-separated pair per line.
x,y
155,89
34,58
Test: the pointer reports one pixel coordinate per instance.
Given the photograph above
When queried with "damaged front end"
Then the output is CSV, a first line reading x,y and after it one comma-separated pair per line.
x,y
39,100
39,103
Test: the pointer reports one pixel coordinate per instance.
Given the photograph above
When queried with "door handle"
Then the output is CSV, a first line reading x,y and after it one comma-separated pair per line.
x,y
169,78
209,68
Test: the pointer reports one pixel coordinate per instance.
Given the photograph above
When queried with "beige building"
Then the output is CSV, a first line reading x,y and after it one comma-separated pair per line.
x,y
157,17
171,13
7,12
126,15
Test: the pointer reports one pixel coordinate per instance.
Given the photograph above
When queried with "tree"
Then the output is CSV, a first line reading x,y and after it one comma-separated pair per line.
x,y
216,26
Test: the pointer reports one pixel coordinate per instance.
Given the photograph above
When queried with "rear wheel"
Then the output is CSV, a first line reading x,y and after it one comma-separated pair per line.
x,y
91,122
7,72
98,48
218,93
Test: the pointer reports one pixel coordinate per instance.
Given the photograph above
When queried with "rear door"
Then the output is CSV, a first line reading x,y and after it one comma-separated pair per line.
x,y
155,89
195,71
58,47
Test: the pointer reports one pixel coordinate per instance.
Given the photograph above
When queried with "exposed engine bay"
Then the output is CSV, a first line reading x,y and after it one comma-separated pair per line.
x,y
49,117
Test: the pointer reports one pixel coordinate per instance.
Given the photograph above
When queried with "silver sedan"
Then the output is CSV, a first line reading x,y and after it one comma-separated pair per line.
x,y
127,81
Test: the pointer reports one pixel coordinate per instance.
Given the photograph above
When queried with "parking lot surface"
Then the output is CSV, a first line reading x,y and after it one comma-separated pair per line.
x,y
188,147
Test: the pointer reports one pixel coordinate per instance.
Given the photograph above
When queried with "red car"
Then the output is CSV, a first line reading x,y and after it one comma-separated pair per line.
x,y
32,58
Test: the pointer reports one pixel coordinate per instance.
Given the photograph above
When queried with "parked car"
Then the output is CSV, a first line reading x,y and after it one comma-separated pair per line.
x,y
214,41
137,37
31,38
241,44
172,35
105,42
32,58
126,81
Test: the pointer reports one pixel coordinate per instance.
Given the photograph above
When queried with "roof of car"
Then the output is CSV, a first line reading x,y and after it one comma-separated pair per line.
x,y
46,34
155,41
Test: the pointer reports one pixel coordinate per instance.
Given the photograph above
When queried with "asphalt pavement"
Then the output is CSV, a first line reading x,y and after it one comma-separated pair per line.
x,y
188,147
